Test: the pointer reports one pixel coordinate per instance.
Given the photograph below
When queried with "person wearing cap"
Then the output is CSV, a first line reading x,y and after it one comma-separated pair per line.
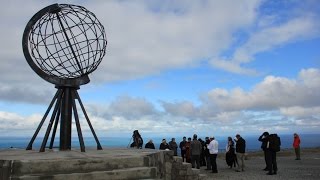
x,y
195,151
264,140
213,147
240,150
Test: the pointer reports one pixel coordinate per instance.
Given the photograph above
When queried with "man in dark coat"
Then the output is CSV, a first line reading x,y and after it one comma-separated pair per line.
x,y
264,140
240,150
183,148
272,153
195,149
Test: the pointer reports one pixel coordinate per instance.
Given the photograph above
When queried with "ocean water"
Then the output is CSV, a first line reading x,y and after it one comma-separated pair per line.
x,y
307,141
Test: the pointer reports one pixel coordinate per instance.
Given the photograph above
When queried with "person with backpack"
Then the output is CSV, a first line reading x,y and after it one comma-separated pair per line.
x,y
273,146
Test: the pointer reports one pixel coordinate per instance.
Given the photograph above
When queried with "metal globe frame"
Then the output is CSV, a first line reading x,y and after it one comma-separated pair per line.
x,y
63,43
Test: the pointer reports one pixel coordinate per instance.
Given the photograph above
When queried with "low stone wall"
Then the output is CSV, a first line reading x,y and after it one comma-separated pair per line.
x,y
166,165
171,167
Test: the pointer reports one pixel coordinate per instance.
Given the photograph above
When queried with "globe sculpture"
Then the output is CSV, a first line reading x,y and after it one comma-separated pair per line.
x,y
63,44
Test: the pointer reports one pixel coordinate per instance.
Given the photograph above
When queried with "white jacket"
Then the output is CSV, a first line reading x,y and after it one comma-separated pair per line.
x,y
213,147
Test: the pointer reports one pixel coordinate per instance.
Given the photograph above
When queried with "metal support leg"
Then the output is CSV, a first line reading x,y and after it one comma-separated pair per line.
x,y
58,93
54,114
55,128
76,117
89,123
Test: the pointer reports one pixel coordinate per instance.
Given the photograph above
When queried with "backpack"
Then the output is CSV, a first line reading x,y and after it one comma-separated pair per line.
x,y
274,142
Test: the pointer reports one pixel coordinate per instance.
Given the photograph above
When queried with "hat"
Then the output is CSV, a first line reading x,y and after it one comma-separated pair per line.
x,y
211,137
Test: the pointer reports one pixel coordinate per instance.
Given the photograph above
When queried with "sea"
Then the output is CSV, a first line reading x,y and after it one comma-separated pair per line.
x,y
252,143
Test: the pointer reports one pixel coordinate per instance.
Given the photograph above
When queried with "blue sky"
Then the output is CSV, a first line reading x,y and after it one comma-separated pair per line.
x,y
175,68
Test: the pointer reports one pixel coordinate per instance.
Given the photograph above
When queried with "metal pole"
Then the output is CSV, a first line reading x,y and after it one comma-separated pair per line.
x,y
66,117
55,128
89,123
58,93
76,117
54,114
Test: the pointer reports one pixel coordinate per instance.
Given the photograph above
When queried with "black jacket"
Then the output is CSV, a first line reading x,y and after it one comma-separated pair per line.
x,y
241,145
149,145
264,142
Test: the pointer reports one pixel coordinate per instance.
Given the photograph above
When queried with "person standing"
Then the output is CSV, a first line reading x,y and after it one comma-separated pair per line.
x,y
240,150
164,145
230,153
195,151
263,138
173,146
182,146
273,146
296,145
213,147
149,145
207,154
188,154
137,140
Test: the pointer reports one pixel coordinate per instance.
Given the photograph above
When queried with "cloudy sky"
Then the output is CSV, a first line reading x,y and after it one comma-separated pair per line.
x,y
211,67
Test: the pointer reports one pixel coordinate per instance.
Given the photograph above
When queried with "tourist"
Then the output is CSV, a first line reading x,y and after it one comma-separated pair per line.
x,y
273,146
195,150
207,154
296,145
213,150
202,156
240,150
137,139
164,145
149,145
188,155
263,138
183,148
173,146
230,153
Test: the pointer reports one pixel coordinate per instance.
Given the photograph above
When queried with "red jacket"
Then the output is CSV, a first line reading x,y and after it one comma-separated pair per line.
x,y
296,142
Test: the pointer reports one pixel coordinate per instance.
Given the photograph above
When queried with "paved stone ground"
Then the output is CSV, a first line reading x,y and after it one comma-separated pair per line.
x,y
288,168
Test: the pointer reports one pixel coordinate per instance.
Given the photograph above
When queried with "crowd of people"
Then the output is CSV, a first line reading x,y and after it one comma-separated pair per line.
x,y
200,152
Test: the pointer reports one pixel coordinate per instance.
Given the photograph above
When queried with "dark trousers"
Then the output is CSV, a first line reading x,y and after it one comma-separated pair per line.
x,y
265,158
208,162
297,151
272,161
183,155
195,159
213,160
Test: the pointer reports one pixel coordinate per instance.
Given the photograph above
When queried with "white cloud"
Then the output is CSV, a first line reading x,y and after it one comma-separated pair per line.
x,y
144,38
267,38
301,112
